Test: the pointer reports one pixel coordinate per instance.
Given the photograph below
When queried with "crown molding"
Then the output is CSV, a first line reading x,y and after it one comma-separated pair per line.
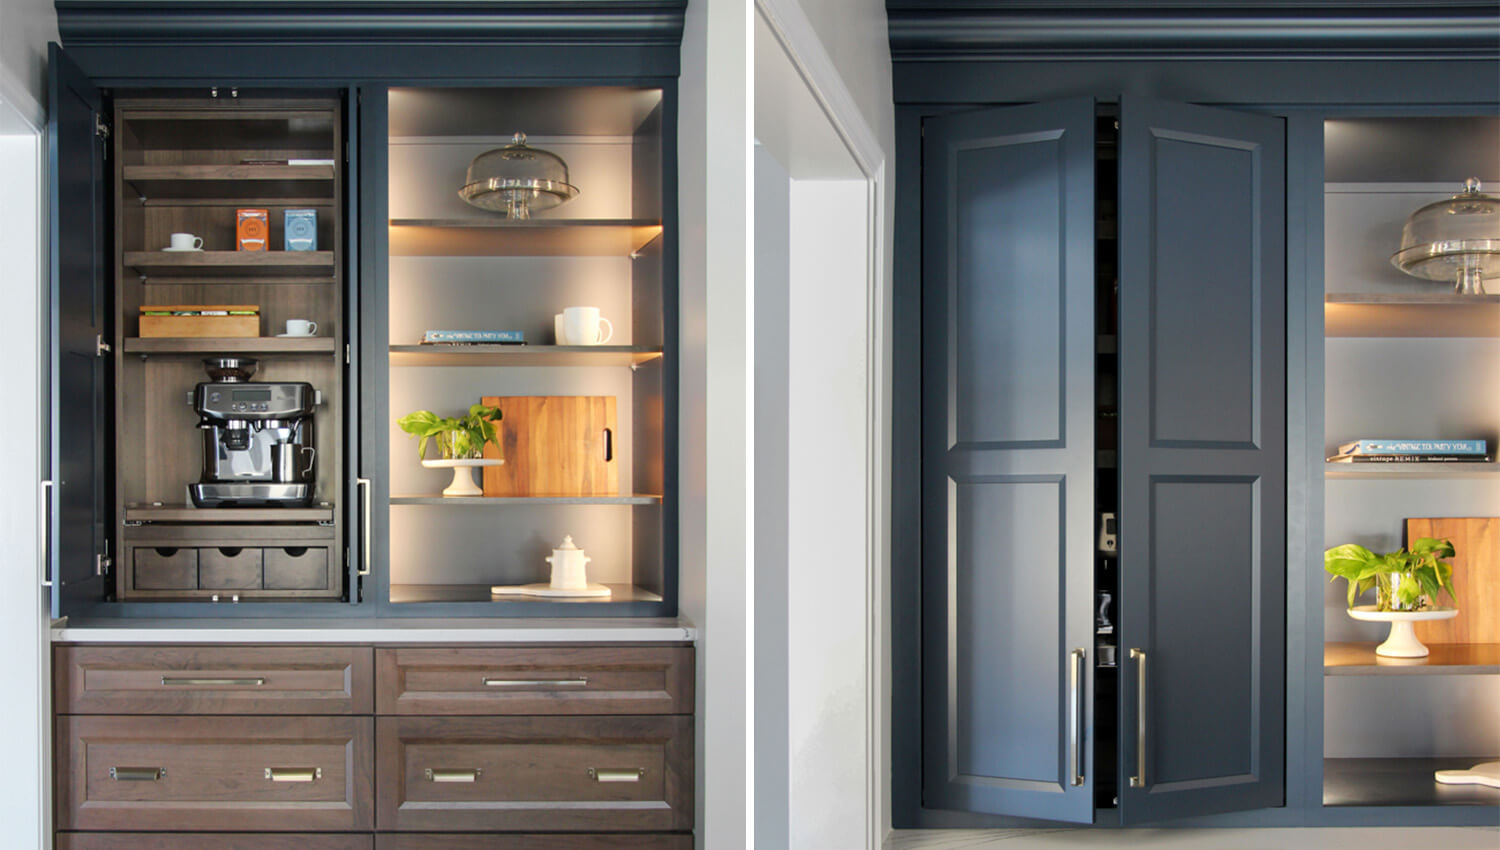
x,y
967,30
645,23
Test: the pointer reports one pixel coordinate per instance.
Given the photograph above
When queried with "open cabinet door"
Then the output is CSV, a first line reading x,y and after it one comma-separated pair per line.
x,y
1008,460
77,334
1202,353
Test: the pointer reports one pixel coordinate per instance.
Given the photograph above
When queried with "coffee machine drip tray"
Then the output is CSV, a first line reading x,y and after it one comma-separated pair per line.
x,y
251,494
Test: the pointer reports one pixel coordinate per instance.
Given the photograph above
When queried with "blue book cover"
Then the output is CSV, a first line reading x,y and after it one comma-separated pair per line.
x,y
506,337
1413,447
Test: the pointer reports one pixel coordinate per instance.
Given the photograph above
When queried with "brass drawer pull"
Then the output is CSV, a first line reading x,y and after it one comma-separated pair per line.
x,y
616,774
187,681
294,774
452,774
532,683
137,774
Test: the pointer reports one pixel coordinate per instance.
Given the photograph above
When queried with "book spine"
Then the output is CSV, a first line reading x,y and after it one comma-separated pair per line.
x,y
1409,459
1413,447
473,336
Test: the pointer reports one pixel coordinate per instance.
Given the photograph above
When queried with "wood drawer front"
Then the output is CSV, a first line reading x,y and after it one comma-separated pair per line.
x,y
535,680
211,773
214,680
534,773
211,841
517,841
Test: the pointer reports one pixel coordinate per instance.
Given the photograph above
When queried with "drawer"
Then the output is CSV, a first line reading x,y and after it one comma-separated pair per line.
x,y
93,679
211,841
518,841
164,569
297,568
275,774
535,680
229,569
537,774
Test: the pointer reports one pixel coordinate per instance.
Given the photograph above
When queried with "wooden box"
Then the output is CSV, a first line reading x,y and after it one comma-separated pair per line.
x,y
196,327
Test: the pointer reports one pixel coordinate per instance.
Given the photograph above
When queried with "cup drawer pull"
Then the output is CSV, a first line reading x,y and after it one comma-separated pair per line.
x,y
189,681
452,774
137,774
536,683
616,774
294,774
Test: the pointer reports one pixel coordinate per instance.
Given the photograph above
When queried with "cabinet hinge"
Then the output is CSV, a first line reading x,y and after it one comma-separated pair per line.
x,y
346,354
101,130
102,563
101,347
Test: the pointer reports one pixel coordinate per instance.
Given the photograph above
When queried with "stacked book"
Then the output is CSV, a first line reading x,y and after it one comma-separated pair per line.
x,y
473,338
1413,451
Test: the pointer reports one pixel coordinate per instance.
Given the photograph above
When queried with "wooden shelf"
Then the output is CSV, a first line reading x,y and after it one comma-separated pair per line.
x,y
488,237
1402,782
1446,659
417,593
506,501
1439,315
230,345
1408,471
521,355
280,184
306,266
188,513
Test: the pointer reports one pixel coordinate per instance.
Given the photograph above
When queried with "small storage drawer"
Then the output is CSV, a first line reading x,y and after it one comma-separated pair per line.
x,y
520,841
229,569
535,680
275,774
164,569
537,774
297,568
92,679
211,841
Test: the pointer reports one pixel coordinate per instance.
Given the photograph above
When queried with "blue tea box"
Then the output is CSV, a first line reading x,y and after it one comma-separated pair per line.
x,y
301,230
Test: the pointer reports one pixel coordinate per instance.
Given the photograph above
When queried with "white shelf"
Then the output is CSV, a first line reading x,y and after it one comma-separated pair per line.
x,y
1409,471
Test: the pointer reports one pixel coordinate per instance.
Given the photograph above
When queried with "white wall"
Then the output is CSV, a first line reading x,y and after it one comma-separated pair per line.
x,y
854,34
25,28
716,474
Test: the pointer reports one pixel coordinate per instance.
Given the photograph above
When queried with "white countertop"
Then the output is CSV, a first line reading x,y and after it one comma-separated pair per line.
x,y
391,631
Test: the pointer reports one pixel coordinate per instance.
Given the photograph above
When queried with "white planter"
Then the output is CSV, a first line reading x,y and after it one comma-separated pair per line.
x,y
1402,641
463,480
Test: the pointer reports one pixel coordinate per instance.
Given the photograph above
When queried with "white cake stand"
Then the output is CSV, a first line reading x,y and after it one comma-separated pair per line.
x,y
547,591
1485,773
463,480
1402,641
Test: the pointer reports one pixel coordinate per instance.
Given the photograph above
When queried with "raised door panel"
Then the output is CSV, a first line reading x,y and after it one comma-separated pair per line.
x,y
214,679
1202,460
78,306
542,774
1007,434
535,680
211,841
274,774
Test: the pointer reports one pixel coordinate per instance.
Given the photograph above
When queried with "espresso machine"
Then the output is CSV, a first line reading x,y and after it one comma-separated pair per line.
x,y
257,439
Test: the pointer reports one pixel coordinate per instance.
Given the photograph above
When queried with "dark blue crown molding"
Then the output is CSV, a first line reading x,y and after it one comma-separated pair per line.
x,y
989,30
123,41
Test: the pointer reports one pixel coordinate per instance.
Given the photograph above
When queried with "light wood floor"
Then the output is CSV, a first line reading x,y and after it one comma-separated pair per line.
x,y
1386,838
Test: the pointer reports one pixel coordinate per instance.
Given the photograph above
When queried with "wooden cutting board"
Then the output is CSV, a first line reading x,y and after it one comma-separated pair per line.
x,y
1476,579
554,446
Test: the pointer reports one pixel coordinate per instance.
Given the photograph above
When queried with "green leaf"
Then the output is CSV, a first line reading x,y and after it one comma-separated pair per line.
x,y
1434,547
1408,592
1350,560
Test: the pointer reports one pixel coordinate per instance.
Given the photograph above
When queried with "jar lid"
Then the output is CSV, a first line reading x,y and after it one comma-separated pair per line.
x,y
1449,237
517,179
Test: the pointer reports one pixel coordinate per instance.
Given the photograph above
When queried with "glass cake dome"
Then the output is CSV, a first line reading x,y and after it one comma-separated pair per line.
x,y
517,180
1457,239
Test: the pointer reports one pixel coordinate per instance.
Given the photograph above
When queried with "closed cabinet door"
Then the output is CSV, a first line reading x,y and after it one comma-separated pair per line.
x,y
1008,460
1202,460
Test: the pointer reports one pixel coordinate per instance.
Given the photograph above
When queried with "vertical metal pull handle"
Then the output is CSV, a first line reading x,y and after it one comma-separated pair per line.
x,y
1075,713
44,529
364,524
1139,779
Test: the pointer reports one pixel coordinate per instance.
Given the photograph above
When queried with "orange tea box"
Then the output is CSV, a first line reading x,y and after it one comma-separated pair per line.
x,y
252,230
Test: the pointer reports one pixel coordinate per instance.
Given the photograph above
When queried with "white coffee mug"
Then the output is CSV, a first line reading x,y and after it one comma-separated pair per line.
x,y
300,327
581,326
186,242
558,330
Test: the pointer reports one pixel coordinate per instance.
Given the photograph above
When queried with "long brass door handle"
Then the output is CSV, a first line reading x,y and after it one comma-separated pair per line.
x,y
1075,713
363,484
616,774
532,683
44,530
452,774
137,774
188,681
1139,779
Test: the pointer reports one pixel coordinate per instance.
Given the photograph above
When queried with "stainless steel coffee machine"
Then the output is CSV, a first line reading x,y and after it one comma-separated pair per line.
x,y
257,439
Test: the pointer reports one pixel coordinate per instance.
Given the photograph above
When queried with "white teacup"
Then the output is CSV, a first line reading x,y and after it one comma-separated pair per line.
x,y
581,326
300,327
186,242
558,330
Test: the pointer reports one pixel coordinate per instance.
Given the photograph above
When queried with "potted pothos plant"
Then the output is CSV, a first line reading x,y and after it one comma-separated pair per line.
x,y
1406,584
460,441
